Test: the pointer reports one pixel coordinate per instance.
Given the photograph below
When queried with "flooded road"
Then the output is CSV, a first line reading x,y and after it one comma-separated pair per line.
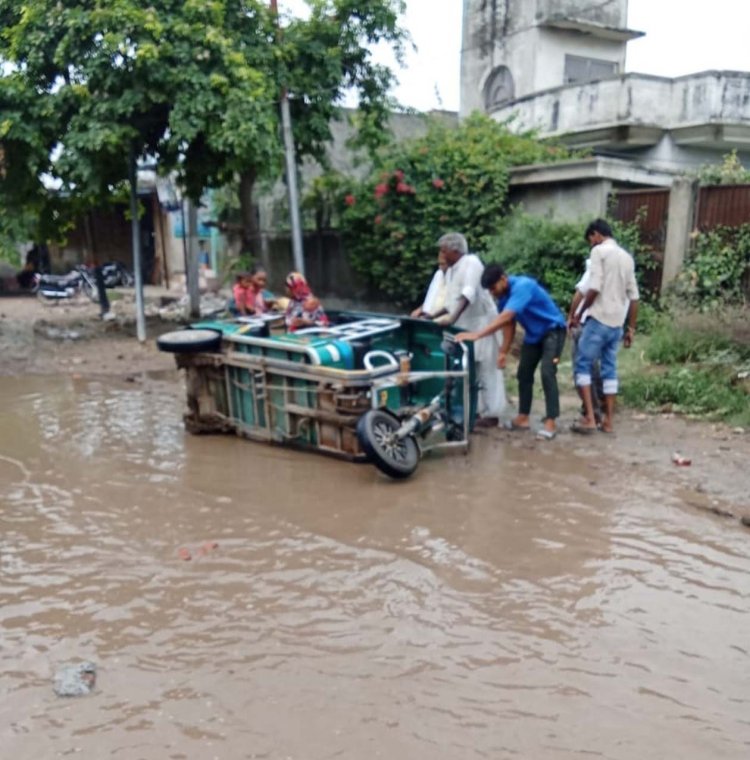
x,y
509,604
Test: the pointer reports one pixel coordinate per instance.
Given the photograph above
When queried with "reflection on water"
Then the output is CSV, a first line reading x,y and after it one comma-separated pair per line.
x,y
495,606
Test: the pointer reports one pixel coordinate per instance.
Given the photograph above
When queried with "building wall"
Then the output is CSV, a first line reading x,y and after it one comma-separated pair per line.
x,y
518,34
612,14
564,202
637,100
554,44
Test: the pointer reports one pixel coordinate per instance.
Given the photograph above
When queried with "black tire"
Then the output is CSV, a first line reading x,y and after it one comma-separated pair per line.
x,y
91,291
397,460
189,341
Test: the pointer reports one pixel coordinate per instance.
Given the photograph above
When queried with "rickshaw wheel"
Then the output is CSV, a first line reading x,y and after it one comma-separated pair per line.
x,y
376,433
189,341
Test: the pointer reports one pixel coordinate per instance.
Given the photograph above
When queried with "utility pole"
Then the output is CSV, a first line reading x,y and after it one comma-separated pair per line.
x,y
135,222
193,267
291,168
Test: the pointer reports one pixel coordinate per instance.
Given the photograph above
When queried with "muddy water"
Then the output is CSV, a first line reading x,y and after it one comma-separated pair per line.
x,y
495,606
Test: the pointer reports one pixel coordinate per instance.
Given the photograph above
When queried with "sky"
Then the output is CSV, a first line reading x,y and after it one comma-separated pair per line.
x,y
682,37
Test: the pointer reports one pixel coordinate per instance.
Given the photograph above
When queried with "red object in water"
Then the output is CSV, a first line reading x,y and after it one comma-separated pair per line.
x,y
680,460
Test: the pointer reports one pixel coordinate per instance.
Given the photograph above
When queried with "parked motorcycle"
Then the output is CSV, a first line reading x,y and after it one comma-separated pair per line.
x,y
81,279
62,286
116,274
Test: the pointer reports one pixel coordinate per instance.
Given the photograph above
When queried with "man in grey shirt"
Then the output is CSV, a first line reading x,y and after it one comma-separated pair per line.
x,y
612,295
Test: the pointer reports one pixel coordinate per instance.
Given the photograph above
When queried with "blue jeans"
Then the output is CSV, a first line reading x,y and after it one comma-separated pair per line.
x,y
598,341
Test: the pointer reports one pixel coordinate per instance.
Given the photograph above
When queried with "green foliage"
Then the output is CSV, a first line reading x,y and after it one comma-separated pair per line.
x,y
649,315
672,345
717,269
328,56
693,367
729,172
689,390
450,179
8,251
193,85
555,253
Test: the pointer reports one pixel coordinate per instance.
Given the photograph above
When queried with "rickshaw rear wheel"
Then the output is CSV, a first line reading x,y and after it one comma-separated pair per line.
x,y
397,458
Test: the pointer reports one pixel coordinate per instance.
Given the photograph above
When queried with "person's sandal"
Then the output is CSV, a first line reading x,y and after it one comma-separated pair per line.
x,y
510,425
546,435
577,427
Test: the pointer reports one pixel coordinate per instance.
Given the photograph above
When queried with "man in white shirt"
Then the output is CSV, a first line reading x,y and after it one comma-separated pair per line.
x,y
469,306
612,293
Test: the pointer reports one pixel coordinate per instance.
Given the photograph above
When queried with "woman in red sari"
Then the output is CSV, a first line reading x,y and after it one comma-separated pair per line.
x,y
304,309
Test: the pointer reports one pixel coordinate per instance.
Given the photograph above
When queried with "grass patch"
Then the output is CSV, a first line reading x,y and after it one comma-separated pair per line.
x,y
691,364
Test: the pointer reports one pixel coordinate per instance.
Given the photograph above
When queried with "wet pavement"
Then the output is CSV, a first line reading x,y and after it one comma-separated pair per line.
x,y
512,603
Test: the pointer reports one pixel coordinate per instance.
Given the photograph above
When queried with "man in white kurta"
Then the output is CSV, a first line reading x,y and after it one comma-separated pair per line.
x,y
469,306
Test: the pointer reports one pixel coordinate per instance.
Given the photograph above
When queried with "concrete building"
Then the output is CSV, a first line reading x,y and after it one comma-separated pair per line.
x,y
557,66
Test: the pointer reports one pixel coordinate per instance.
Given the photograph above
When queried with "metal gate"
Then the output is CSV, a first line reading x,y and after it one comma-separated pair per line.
x,y
649,210
722,205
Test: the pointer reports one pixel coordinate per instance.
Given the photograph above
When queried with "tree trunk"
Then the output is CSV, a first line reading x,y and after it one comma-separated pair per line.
x,y
250,228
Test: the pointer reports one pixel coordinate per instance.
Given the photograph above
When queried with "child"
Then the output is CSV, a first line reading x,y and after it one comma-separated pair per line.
x,y
248,292
304,309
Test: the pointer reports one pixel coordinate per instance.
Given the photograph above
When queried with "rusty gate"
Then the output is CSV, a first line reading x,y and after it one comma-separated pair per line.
x,y
647,208
722,205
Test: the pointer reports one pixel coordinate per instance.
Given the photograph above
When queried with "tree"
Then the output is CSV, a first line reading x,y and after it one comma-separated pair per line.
x,y
27,210
450,179
193,85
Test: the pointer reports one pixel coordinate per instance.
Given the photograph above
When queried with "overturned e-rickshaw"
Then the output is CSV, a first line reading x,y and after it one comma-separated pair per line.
x,y
368,387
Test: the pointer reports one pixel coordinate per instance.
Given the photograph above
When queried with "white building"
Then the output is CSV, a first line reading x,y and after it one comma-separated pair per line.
x,y
557,66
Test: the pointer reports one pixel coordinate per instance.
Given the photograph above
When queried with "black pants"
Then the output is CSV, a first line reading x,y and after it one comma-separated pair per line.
x,y
547,351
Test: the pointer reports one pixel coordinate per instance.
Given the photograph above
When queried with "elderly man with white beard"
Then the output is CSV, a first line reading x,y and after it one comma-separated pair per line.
x,y
470,307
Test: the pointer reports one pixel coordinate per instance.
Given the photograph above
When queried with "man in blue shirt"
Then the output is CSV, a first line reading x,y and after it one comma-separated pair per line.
x,y
523,299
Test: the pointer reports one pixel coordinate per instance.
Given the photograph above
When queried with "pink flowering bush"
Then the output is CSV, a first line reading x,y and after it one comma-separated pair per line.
x,y
452,179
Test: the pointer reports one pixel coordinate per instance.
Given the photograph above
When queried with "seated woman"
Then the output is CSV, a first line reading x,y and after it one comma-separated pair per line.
x,y
304,309
248,292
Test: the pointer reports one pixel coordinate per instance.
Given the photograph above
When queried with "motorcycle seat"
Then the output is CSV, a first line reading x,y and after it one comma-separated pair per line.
x,y
60,279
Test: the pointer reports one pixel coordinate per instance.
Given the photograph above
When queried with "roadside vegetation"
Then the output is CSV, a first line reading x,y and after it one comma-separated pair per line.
x,y
696,360
452,178
692,363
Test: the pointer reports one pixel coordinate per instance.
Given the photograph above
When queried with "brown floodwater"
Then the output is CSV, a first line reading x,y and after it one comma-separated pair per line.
x,y
495,606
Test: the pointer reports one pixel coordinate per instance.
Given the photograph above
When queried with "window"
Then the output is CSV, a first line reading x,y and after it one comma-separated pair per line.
x,y
580,69
499,88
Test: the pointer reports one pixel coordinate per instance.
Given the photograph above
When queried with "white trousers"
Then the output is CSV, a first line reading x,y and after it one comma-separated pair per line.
x,y
491,401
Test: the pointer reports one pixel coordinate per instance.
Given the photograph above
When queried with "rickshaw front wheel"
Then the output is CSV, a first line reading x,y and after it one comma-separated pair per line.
x,y
396,457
